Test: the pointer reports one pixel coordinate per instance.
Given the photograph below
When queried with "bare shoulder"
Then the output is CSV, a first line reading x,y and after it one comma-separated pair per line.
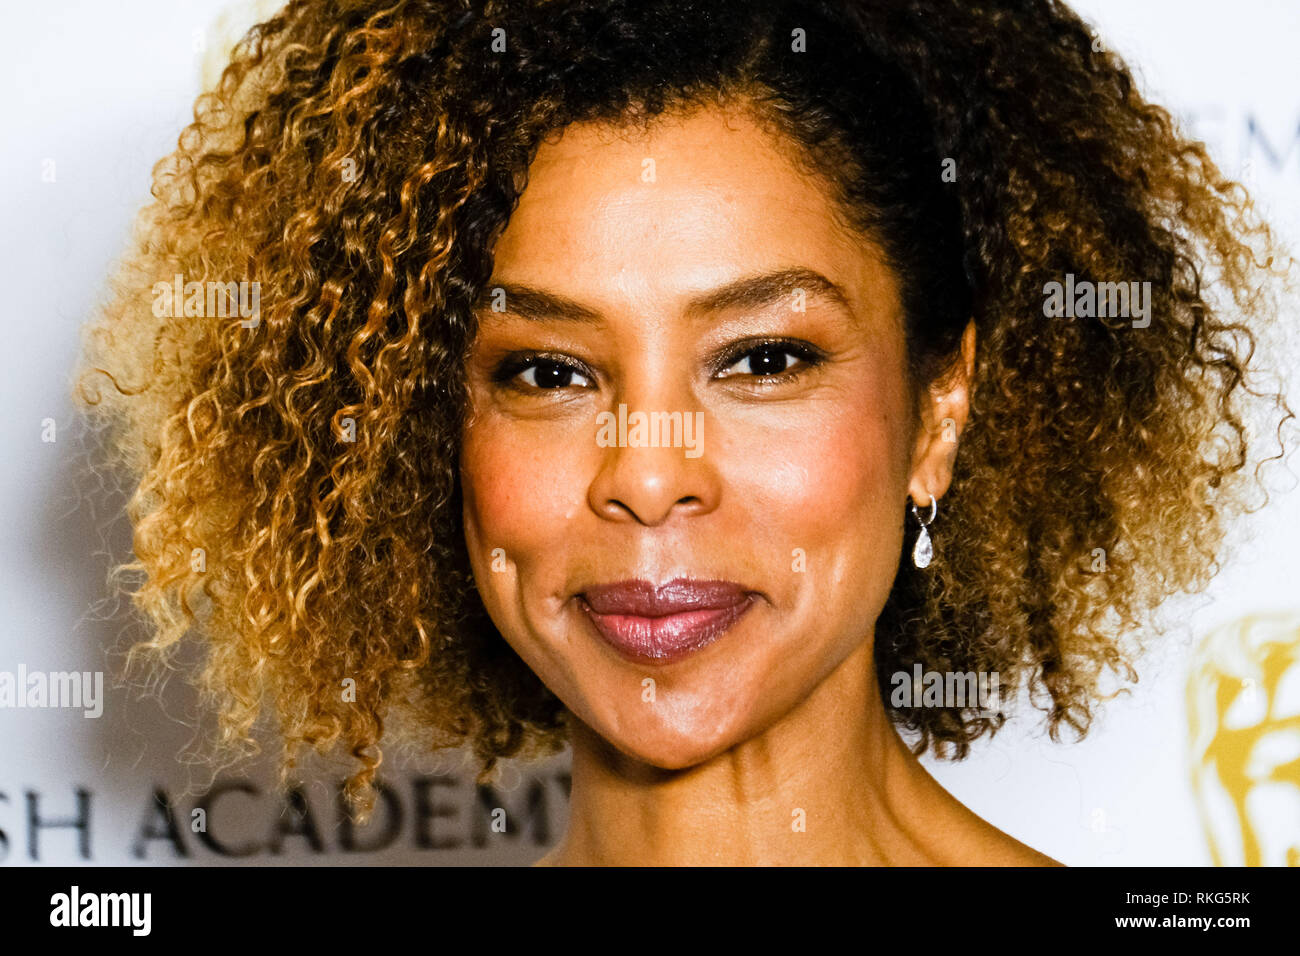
x,y
989,846
1018,854
957,836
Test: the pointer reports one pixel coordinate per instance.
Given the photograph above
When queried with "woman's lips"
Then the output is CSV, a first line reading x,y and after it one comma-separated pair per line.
x,y
664,623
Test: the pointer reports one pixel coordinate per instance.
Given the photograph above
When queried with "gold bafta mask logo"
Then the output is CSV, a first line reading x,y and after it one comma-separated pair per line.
x,y
1243,707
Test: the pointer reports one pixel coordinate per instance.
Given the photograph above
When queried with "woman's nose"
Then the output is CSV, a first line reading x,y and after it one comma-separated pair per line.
x,y
655,463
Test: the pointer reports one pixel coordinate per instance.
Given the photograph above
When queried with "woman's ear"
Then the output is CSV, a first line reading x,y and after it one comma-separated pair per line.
x,y
945,407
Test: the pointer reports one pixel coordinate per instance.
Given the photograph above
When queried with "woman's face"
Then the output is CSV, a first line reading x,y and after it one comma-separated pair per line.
x,y
630,266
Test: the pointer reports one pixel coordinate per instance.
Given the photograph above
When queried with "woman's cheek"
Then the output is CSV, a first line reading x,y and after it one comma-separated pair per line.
x,y
824,502
819,471
519,483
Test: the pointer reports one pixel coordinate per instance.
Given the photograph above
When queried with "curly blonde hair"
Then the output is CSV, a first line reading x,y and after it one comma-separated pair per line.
x,y
298,503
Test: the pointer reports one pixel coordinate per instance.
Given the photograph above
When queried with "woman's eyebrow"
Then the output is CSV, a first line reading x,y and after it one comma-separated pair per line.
x,y
760,291
536,304
750,292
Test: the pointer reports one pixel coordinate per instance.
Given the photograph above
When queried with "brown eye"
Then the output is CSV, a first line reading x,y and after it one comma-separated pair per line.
x,y
550,374
766,360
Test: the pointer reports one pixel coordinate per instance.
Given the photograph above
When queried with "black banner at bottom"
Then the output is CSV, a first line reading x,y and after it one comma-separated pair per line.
x,y
242,905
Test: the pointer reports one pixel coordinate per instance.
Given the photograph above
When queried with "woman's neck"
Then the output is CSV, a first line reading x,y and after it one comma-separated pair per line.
x,y
831,783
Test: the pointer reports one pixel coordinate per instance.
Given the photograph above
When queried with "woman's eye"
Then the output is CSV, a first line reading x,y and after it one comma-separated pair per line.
x,y
550,374
765,360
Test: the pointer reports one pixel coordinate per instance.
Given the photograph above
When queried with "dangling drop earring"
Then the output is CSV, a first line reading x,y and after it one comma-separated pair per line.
x,y
924,549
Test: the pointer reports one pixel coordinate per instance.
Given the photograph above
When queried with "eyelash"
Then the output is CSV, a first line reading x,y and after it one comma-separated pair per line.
x,y
808,355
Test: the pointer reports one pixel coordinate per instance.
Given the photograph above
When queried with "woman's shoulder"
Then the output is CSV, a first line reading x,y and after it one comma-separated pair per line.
x,y
983,844
1014,853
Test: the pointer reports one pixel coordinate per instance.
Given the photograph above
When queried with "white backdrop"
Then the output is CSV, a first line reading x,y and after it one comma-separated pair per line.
x,y
96,92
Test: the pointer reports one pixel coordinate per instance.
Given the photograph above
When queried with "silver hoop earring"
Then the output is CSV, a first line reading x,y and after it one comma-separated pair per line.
x,y
924,549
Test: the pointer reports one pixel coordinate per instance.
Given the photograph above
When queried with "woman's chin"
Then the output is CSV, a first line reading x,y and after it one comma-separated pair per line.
x,y
669,756
669,748
655,743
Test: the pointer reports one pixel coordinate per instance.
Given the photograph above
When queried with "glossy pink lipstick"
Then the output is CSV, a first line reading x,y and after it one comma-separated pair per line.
x,y
664,623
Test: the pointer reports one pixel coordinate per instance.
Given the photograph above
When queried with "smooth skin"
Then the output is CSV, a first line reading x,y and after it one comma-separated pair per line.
x,y
772,744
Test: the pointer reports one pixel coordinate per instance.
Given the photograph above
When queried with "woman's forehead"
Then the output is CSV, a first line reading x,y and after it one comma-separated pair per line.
x,y
670,213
